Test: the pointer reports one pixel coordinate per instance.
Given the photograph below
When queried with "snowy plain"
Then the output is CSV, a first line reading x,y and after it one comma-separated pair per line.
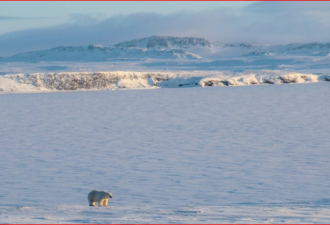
x,y
247,154
179,130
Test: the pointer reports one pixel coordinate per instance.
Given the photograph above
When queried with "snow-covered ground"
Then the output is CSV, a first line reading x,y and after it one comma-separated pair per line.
x,y
246,151
177,215
247,154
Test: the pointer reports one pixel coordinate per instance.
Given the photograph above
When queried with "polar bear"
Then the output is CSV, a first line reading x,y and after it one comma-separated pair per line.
x,y
99,196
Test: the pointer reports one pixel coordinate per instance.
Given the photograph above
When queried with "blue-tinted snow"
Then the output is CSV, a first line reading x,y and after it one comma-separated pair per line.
x,y
219,154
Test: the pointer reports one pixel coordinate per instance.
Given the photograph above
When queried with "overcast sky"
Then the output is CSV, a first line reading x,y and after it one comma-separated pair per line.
x,y
26,26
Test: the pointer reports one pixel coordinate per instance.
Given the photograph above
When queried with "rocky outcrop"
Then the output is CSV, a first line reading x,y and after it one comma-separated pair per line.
x,y
133,80
165,42
217,82
81,81
327,78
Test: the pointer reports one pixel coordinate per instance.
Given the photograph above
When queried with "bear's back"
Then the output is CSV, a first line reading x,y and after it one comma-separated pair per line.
x,y
93,194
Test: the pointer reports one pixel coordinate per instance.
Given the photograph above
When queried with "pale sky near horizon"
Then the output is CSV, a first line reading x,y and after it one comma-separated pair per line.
x,y
15,16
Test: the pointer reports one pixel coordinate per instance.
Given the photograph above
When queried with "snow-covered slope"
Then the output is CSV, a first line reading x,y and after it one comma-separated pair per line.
x,y
311,49
98,53
146,80
164,47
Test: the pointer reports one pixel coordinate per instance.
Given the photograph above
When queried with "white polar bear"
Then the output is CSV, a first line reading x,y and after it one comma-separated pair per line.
x,y
99,196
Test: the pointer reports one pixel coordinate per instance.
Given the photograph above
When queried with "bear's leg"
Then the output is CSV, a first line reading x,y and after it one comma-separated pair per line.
x,y
106,202
91,203
101,202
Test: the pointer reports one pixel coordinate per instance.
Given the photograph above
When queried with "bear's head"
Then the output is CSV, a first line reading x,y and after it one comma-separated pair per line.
x,y
107,194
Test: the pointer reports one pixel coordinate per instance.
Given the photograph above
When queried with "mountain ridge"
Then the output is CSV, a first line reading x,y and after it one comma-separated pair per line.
x,y
154,41
167,47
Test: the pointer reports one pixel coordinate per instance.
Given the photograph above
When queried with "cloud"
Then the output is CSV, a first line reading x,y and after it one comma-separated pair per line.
x,y
83,19
289,6
262,22
10,18
20,18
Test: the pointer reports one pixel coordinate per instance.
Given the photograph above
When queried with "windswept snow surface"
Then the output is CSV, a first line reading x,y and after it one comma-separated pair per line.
x,y
249,154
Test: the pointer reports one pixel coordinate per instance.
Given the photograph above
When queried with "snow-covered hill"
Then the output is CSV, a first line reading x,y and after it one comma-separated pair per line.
x,y
164,48
304,49
199,46
314,48
99,53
